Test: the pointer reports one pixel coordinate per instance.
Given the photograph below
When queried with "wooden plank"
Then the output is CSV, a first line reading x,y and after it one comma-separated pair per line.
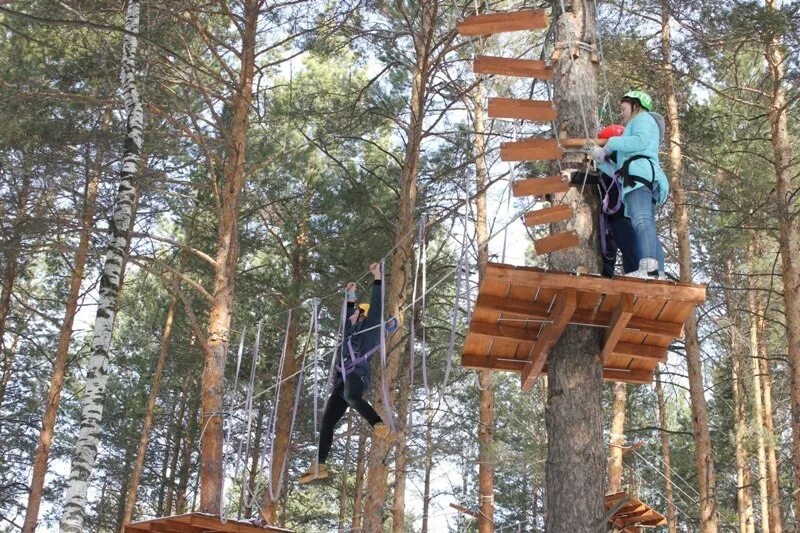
x,y
504,66
640,351
581,142
504,332
534,277
528,19
554,243
637,377
531,150
538,311
487,362
520,109
565,304
174,526
539,186
548,215
213,523
619,320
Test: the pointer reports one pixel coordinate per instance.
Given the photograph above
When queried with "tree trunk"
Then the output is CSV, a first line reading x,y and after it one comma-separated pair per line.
x,y
773,474
292,365
42,453
396,294
233,171
486,379
361,465
756,309
172,426
576,454
744,496
130,500
428,467
175,452
256,452
110,285
617,438
789,236
186,452
10,274
343,487
666,456
704,460
401,459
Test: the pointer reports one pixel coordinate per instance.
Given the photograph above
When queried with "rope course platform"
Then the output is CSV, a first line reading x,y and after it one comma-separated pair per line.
x,y
199,523
630,514
521,313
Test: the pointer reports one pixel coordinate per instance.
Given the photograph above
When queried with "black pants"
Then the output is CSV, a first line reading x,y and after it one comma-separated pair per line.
x,y
344,395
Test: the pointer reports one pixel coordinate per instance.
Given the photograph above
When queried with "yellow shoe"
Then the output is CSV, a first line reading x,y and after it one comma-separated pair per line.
x,y
309,476
382,431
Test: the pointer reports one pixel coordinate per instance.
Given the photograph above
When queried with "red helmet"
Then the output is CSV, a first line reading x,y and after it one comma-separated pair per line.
x,y
614,130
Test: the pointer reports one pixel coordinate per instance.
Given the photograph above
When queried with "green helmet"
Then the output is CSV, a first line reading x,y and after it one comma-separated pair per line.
x,y
640,96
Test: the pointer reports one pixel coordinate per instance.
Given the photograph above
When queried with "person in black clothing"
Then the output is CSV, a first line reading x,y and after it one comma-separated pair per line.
x,y
361,339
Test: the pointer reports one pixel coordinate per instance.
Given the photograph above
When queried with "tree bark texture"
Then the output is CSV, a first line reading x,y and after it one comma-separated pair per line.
x,y
144,438
744,496
617,438
400,277
42,453
755,309
704,460
10,271
666,456
486,378
361,467
110,284
576,453
789,232
233,173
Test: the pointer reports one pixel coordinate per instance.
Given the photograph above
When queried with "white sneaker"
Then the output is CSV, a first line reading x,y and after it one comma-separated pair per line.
x,y
648,269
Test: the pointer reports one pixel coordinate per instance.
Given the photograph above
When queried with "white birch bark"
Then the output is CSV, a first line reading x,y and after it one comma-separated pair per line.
x,y
110,284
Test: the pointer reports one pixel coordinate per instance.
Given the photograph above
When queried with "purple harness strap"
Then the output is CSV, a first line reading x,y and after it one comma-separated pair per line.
x,y
355,360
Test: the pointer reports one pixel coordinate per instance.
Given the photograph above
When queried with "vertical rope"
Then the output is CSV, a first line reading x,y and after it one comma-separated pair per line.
x,y
246,497
384,385
227,435
424,304
315,326
267,457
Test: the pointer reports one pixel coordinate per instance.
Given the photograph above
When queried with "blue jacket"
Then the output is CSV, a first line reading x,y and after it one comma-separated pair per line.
x,y
642,137
362,341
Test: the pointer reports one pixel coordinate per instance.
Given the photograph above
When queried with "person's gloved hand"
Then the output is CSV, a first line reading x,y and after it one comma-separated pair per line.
x,y
598,153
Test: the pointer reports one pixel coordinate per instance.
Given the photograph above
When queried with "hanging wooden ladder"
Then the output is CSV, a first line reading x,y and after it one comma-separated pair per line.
x,y
527,110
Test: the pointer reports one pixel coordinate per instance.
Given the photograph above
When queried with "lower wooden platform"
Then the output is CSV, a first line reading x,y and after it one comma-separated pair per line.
x,y
630,513
198,523
521,313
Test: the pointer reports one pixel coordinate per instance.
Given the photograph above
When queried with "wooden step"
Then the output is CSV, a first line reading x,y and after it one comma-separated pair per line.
x,y
531,150
529,19
580,143
548,215
504,66
539,186
554,243
515,108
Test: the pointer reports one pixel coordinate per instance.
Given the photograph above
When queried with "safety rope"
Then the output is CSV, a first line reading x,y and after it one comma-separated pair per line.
x,y
387,405
226,435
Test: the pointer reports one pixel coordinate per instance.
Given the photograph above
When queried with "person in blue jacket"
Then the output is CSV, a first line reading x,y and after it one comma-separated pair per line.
x,y
352,373
644,183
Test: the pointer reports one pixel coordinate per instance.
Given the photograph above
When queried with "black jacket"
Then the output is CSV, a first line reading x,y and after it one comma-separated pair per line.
x,y
362,341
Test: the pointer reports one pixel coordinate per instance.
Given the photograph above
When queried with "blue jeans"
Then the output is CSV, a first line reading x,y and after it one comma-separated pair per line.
x,y
626,241
639,207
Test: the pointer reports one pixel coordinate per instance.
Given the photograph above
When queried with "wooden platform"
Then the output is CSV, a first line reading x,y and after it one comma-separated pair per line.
x,y
198,523
521,313
631,513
